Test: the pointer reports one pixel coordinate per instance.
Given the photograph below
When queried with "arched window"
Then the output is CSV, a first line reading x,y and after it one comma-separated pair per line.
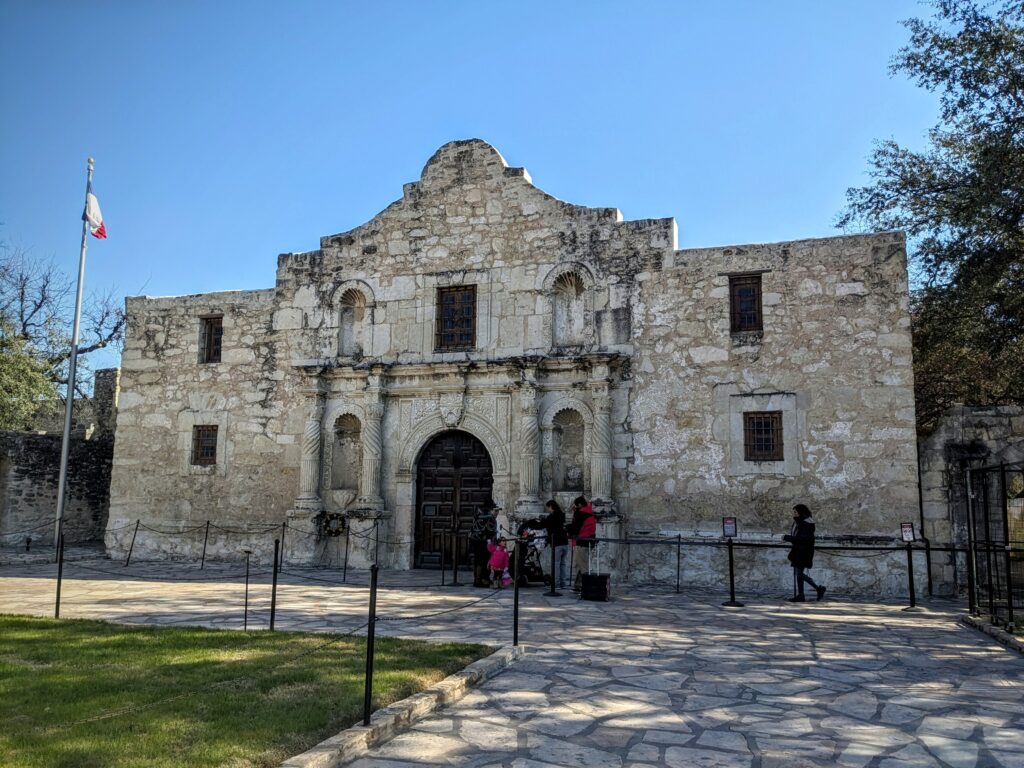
x,y
568,449
353,323
570,310
347,456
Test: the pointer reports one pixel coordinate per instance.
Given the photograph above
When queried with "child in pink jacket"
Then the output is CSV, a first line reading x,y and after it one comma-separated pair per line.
x,y
498,562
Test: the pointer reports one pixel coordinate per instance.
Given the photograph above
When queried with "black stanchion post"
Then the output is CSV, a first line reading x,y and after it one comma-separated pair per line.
x,y
731,602
284,527
910,578
988,548
60,572
515,594
206,538
371,627
1004,495
376,540
440,539
928,562
273,588
245,611
344,568
132,545
455,559
972,564
972,601
679,559
551,592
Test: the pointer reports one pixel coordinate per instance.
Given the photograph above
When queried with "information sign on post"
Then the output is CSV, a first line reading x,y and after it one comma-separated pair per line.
x,y
729,527
907,531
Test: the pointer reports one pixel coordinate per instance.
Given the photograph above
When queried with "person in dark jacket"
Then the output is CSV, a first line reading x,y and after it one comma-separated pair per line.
x,y
801,554
554,524
485,529
582,530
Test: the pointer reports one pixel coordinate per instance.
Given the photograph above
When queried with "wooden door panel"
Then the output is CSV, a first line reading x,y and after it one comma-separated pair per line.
x,y
453,479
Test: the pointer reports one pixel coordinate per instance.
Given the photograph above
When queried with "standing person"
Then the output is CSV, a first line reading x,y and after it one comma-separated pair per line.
x,y
485,528
554,524
801,554
582,530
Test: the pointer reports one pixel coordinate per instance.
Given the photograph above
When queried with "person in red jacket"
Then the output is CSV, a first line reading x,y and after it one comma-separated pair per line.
x,y
582,531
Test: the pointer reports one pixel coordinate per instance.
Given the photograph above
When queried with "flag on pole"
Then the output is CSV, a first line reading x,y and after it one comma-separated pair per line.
x,y
93,216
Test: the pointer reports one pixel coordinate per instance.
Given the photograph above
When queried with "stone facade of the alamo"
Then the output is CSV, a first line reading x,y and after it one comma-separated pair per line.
x,y
480,337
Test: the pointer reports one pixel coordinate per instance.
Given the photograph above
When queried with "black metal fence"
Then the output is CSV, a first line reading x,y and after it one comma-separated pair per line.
x,y
995,568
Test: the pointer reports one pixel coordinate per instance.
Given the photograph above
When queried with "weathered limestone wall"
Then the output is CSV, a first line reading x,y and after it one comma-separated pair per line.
x,y
834,357
967,436
165,391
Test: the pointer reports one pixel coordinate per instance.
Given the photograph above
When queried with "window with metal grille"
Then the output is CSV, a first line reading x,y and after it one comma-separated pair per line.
x,y
204,444
455,327
762,436
210,332
745,303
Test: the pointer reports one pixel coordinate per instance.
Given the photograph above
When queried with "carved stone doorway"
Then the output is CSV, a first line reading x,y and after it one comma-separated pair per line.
x,y
453,479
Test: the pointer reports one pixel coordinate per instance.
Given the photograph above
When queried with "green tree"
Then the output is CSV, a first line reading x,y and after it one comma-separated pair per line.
x,y
36,314
961,203
26,388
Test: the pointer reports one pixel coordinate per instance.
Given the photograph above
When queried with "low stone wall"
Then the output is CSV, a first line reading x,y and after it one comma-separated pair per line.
x,y
29,472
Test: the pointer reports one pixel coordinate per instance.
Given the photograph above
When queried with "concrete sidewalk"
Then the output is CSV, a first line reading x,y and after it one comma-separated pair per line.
x,y
650,679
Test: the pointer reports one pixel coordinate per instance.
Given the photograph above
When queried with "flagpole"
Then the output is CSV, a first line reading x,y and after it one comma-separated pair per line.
x,y
69,403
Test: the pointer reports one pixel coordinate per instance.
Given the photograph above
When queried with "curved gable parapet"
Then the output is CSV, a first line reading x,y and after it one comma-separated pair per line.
x,y
469,161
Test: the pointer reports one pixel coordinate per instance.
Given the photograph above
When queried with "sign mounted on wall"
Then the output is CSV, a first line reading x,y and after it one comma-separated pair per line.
x,y
907,531
729,527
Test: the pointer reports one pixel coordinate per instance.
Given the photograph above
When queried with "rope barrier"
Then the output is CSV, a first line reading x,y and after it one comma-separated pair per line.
x,y
125,573
244,531
66,527
439,613
180,532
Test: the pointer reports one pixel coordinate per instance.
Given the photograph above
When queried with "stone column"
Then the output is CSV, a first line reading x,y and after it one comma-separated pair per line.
x,y
601,446
373,446
309,468
528,503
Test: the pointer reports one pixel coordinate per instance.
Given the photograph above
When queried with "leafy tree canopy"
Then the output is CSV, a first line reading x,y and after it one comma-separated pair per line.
x,y
36,315
961,203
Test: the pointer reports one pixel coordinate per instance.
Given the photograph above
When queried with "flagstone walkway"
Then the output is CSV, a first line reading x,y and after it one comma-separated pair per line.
x,y
650,679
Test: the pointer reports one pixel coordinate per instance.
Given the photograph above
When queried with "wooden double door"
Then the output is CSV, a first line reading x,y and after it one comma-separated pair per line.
x,y
453,479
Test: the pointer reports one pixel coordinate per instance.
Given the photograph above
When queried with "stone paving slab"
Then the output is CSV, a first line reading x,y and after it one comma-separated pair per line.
x,y
650,679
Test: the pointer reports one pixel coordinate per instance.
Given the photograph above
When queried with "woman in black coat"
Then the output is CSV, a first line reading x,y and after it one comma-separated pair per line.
x,y
554,524
801,554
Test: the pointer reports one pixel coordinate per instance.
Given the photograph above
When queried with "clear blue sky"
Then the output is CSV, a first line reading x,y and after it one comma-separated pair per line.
x,y
228,132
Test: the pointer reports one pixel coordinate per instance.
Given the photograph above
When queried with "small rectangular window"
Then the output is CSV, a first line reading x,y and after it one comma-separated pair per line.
x,y
762,436
204,444
210,332
745,303
455,326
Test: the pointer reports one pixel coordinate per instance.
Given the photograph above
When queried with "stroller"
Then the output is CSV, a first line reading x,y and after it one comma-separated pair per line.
x,y
530,546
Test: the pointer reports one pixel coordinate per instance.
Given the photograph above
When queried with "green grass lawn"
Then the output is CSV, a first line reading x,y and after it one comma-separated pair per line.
x,y
191,696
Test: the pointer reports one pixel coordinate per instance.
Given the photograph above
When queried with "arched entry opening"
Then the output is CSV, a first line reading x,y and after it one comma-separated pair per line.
x,y
453,478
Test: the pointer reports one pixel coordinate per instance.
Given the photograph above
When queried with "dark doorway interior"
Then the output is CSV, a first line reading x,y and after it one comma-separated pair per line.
x,y
453,478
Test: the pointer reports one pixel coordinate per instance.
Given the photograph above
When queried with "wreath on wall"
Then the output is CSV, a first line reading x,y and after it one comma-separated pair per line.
x,y
334,524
